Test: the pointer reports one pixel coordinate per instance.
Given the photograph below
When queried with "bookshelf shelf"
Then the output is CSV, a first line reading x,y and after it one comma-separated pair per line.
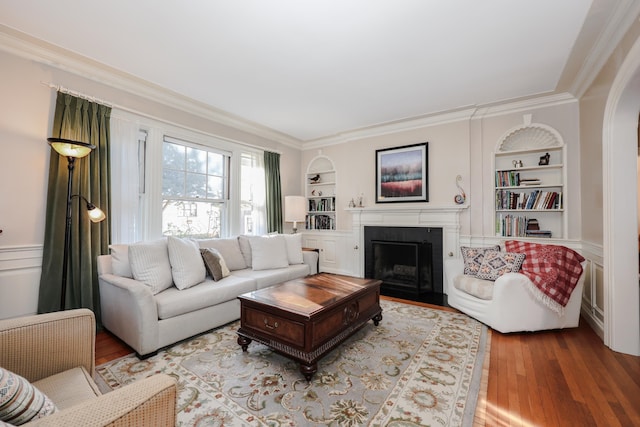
x,y
320,192
516,160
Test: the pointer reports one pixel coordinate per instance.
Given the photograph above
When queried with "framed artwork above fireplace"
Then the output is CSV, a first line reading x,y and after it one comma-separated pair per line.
x,y
402,174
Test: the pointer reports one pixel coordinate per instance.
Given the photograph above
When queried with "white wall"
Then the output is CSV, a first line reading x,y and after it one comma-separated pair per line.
x,y
26,113
355,164
463,148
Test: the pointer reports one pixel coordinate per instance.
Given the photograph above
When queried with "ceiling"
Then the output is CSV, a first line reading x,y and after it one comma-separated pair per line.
x,y
316,69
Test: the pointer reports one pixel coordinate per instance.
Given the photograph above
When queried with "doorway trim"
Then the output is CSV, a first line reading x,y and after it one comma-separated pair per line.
x,y
620,212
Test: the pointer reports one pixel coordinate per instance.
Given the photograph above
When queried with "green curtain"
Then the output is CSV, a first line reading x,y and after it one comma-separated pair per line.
x,y
273,192
80,120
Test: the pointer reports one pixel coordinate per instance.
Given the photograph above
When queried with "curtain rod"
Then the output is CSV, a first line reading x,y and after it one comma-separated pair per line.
x,y
80,95
130,110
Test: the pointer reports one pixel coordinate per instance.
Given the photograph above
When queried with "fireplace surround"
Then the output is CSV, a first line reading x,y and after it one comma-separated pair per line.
x,y
444,217
408,260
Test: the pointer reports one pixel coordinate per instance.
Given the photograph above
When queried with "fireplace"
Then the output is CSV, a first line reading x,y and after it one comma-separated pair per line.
x,y
408,260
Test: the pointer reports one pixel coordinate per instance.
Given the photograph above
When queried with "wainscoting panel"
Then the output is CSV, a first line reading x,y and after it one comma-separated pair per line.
x,y
20,269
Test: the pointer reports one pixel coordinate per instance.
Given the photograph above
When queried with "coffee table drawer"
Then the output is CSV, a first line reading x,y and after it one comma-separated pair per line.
x,y
274,326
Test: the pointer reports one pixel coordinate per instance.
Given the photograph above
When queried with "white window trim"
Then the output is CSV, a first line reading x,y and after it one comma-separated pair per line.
x,y
149,210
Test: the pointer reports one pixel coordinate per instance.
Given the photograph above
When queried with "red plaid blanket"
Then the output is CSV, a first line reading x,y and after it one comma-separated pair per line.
x,y
554,270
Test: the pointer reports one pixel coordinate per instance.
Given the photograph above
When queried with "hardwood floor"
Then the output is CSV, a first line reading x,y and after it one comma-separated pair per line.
x,y
550,378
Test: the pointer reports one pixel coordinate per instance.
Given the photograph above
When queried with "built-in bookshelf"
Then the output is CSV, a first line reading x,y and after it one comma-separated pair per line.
x,y
530,183
320,189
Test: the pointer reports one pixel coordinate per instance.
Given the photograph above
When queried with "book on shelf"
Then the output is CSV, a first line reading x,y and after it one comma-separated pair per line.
x,y
536,199
507,179
538,233
320,222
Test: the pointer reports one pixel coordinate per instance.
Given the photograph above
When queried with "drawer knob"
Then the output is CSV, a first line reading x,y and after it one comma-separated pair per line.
x,y
266,323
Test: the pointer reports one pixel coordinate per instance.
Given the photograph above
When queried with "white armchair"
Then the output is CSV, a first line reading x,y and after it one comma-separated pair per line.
x,y
510,306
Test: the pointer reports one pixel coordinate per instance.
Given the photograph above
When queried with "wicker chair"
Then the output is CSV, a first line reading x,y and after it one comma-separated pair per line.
x,y
55,351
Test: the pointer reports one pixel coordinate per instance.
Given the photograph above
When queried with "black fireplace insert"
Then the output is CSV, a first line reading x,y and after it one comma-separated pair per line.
x,y
408,260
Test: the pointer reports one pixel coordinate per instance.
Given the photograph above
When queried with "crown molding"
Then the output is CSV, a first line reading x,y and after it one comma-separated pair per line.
x,y
519,106
31,48
624,15
393,127
469,113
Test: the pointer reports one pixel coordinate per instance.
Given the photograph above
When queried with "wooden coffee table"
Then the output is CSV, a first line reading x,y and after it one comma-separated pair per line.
x,y
305,319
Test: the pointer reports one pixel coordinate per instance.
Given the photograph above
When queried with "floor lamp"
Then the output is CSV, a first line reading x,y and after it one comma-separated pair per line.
x,y
294,210
72,150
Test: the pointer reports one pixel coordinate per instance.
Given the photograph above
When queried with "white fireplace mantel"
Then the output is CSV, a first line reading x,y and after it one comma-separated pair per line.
x,y
446,217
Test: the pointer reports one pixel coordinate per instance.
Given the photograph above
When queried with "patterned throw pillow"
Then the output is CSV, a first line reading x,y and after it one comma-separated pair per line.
x,y
20,401
214,263
473,258
495,264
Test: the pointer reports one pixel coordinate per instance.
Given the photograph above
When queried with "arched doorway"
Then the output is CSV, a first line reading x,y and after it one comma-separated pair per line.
x,y
619,156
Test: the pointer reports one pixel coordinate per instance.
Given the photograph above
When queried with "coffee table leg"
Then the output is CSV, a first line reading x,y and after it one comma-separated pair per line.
x,y
377,318
244,342
308,370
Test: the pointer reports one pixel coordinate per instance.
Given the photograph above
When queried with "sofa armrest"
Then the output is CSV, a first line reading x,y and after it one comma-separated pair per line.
x,y
149,402
311,259
129,311
42,345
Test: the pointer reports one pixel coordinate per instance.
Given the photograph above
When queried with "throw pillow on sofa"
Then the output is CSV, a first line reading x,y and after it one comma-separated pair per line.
x,y
473,258
245,248
21,401
268,252
496,263
187,267
214,263
150,264
229,248
294,248
120,264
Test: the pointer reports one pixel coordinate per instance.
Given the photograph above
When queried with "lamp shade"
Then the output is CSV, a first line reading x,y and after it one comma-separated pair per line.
x,y
70,148
96,214
294,208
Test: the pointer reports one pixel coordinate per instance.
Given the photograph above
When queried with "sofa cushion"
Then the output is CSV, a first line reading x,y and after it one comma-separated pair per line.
x,y
471,285
265,278
229,248
187,267
150,264
174,302
496,263
214,263
21,401
120,265
473,258
294,248
245,248
268,252
69,388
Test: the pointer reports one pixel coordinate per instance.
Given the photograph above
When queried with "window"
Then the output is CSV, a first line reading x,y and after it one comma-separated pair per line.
x,y
252,206
195,186
187,184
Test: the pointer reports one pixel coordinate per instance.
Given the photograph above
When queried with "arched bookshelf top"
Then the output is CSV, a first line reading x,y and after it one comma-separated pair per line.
x,y
319,164
529,136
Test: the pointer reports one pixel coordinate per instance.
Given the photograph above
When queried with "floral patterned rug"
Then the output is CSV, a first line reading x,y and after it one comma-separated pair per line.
x,y
419,367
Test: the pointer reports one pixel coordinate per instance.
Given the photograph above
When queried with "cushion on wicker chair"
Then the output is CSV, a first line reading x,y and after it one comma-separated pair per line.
x,y
21,401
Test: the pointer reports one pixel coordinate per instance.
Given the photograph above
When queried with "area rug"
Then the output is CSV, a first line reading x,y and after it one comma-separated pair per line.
x,y
418,367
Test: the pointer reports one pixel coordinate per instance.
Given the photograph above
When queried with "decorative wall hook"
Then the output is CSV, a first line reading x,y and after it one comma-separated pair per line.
x,y
461,197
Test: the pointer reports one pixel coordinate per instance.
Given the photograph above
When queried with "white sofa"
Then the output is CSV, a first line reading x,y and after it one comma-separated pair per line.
x,y
148,318
511,306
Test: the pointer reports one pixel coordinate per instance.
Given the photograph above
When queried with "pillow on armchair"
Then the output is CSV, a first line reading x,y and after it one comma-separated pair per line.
x,y
496,263
473,258
21,401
